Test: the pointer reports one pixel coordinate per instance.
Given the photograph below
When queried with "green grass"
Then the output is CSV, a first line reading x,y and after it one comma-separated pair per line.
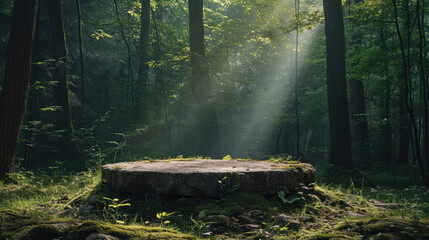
x,y
36,201
45,194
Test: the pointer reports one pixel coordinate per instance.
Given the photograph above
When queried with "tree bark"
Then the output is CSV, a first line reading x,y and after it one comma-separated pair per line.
x,y
14,94
340,150
425,98
82,58
130,68
357,98
70,152
157,17
143,74
298,151
33,107
210,136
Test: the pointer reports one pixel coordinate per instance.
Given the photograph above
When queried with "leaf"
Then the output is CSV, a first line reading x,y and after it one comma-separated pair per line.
x,y
285,200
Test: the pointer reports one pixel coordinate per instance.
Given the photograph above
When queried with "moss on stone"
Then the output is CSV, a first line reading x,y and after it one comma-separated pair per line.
x,y
235,203
125,232
388,225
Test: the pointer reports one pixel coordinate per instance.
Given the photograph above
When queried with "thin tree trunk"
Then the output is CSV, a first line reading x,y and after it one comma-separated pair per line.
x,y
143,74
425,97
210,136
33,107
387,129
158,73
298,152
82,60
357,98
70,152
14,94
407,82
130,69
340,149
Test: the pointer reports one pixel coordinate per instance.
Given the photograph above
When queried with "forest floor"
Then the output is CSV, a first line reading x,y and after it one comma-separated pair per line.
x,y
60,205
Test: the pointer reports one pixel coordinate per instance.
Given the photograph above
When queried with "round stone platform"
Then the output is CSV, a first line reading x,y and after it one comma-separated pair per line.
x,y
206,178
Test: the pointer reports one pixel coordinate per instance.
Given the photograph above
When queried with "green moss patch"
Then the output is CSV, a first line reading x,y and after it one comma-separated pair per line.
x,y
234,204
125,232
376,228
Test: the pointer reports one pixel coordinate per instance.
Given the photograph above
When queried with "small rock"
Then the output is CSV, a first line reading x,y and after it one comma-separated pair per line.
x,y
249,227
385,205
99,236
219,220
285,220
354,214
85,209
256,214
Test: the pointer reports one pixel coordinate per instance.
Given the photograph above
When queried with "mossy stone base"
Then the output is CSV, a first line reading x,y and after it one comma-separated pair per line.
x,y
206,178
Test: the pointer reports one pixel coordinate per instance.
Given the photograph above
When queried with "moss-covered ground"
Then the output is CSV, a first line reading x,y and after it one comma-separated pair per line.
x,y
58,205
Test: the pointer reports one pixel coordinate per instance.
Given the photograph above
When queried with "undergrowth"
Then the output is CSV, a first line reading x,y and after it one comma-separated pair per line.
x,y
34,201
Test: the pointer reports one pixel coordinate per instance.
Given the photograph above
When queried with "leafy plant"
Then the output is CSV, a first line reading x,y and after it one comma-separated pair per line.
x,y
199,226
286,200
110,210
223,186
162,217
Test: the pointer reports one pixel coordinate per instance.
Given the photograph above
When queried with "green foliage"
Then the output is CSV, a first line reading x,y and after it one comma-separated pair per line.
x,y
286,200
161,216
111,210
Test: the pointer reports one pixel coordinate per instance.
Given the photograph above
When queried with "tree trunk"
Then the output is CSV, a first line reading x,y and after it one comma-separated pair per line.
x,y
33,107
143,74
357,99
425,98
82,60
298,151
210,136
14,94
340,150
157,17
130,68
70,152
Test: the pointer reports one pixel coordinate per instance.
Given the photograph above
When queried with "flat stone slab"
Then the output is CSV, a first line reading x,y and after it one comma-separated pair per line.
x,y
206,178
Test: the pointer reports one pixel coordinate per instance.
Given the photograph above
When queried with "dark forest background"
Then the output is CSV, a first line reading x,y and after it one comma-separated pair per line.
x,y
254,85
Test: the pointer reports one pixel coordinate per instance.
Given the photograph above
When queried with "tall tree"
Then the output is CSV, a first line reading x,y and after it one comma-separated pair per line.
x,y
130,68
69,149
82,60
143,73
424,84
157,53
14,94
298,152
357,98
210,136
340,149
